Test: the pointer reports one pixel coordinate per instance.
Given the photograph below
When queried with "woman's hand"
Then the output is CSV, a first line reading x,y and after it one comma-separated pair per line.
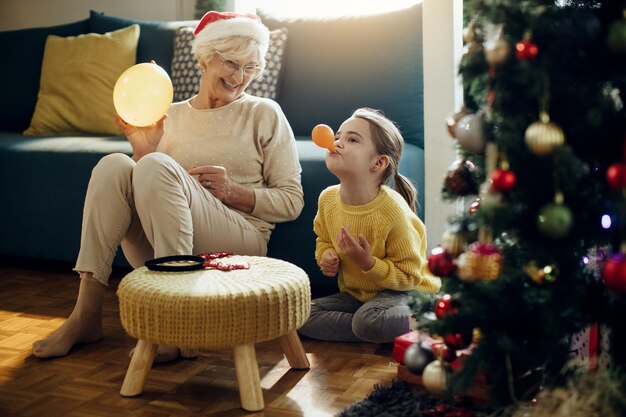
x,y
329,263
359,251
143,140
215,179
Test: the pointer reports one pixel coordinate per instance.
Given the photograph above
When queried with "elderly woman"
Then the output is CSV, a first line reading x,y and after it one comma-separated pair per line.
x,y
215,174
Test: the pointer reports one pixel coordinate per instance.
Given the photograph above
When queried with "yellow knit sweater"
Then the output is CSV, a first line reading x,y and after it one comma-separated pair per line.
x,y
395,233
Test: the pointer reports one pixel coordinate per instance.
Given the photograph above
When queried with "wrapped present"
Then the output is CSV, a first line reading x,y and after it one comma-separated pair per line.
x,y
402,343
590,348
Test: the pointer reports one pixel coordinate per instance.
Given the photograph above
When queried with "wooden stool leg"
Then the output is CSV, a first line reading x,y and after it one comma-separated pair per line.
x,y
248,378
294,351
140,365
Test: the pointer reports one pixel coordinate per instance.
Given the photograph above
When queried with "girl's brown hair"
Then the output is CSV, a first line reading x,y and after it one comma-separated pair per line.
x,y
389,141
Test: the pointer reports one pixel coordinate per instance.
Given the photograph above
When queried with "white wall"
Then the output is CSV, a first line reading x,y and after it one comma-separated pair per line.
x,y
19,14
442,30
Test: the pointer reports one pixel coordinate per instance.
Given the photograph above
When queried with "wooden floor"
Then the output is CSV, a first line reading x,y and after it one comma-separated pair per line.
x,y
86,383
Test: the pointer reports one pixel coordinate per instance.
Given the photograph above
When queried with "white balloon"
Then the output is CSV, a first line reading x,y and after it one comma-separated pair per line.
x,y
142,94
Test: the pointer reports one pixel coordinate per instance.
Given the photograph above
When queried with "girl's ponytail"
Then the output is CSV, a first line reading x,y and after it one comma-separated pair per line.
x,y
407,190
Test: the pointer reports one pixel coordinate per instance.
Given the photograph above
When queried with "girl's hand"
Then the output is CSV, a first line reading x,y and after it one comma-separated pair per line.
x,y
329,263
143,140
359,251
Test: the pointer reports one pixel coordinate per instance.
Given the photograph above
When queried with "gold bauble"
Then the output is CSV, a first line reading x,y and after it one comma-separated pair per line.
x,y
470,33
546,274
543,135
453,242
435,377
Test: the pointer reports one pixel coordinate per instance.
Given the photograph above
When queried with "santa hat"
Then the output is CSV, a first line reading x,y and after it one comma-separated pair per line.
x,y
217,25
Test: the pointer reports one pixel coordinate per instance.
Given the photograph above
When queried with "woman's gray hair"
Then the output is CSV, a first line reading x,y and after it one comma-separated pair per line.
x,y
234,48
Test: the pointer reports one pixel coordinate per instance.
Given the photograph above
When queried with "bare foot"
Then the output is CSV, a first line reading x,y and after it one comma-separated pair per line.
x,y
164,353
72,332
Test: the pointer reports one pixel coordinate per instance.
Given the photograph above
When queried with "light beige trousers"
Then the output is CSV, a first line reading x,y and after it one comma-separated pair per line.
x,y
154,208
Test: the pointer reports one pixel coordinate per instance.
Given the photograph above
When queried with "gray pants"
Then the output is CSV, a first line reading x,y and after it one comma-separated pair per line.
x,y
343,318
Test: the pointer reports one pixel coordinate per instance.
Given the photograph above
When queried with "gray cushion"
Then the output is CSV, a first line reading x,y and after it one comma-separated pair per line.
x,y
383,69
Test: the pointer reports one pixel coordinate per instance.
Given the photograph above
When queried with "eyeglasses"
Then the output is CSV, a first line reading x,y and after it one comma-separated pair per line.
x,y
251,70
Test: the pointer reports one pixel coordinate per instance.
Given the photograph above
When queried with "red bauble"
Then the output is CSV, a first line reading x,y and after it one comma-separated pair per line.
x,y
458,340
614,273
440,262
446,353
460,178
503,179
440,350
616,176
526,50
446,305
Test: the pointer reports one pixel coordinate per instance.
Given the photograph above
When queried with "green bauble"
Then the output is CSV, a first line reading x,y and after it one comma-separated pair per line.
x,y
616,39
555,220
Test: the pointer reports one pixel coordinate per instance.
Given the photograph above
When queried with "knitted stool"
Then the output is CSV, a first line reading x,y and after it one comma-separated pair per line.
x,y
215,309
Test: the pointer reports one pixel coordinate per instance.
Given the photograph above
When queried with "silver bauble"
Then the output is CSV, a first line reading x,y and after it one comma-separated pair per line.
x,y
469,132
416,358
453,119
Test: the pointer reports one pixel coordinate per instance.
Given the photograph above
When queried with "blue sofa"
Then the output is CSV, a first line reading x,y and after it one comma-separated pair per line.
x,y
330,68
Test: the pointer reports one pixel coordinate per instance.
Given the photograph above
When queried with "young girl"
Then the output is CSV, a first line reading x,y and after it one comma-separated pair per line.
x,y
370,235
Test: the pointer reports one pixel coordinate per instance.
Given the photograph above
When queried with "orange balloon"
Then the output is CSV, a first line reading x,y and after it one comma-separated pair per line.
x,y
324,137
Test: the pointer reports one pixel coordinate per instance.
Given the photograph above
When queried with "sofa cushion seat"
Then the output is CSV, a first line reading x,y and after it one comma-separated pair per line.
x,y
44,181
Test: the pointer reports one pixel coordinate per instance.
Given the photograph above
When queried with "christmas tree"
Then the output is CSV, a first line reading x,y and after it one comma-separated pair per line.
x,y
536,254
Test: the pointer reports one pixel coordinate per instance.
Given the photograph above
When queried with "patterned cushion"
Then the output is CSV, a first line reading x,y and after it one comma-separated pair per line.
x,y
186,73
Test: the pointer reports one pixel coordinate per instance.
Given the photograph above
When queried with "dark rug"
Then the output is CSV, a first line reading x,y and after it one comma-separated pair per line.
x,y
395,400
399,399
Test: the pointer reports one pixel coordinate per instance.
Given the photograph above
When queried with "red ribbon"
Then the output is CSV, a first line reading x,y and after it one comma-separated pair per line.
x,y
481,248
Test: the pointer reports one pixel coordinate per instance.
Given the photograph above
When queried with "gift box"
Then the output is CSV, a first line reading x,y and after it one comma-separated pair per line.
x,y
402,343
590,348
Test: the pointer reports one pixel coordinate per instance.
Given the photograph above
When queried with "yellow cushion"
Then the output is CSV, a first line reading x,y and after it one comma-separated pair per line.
x,y
77,79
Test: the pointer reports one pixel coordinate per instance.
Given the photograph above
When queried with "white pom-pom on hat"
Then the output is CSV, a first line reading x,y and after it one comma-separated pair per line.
x,y
218,25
